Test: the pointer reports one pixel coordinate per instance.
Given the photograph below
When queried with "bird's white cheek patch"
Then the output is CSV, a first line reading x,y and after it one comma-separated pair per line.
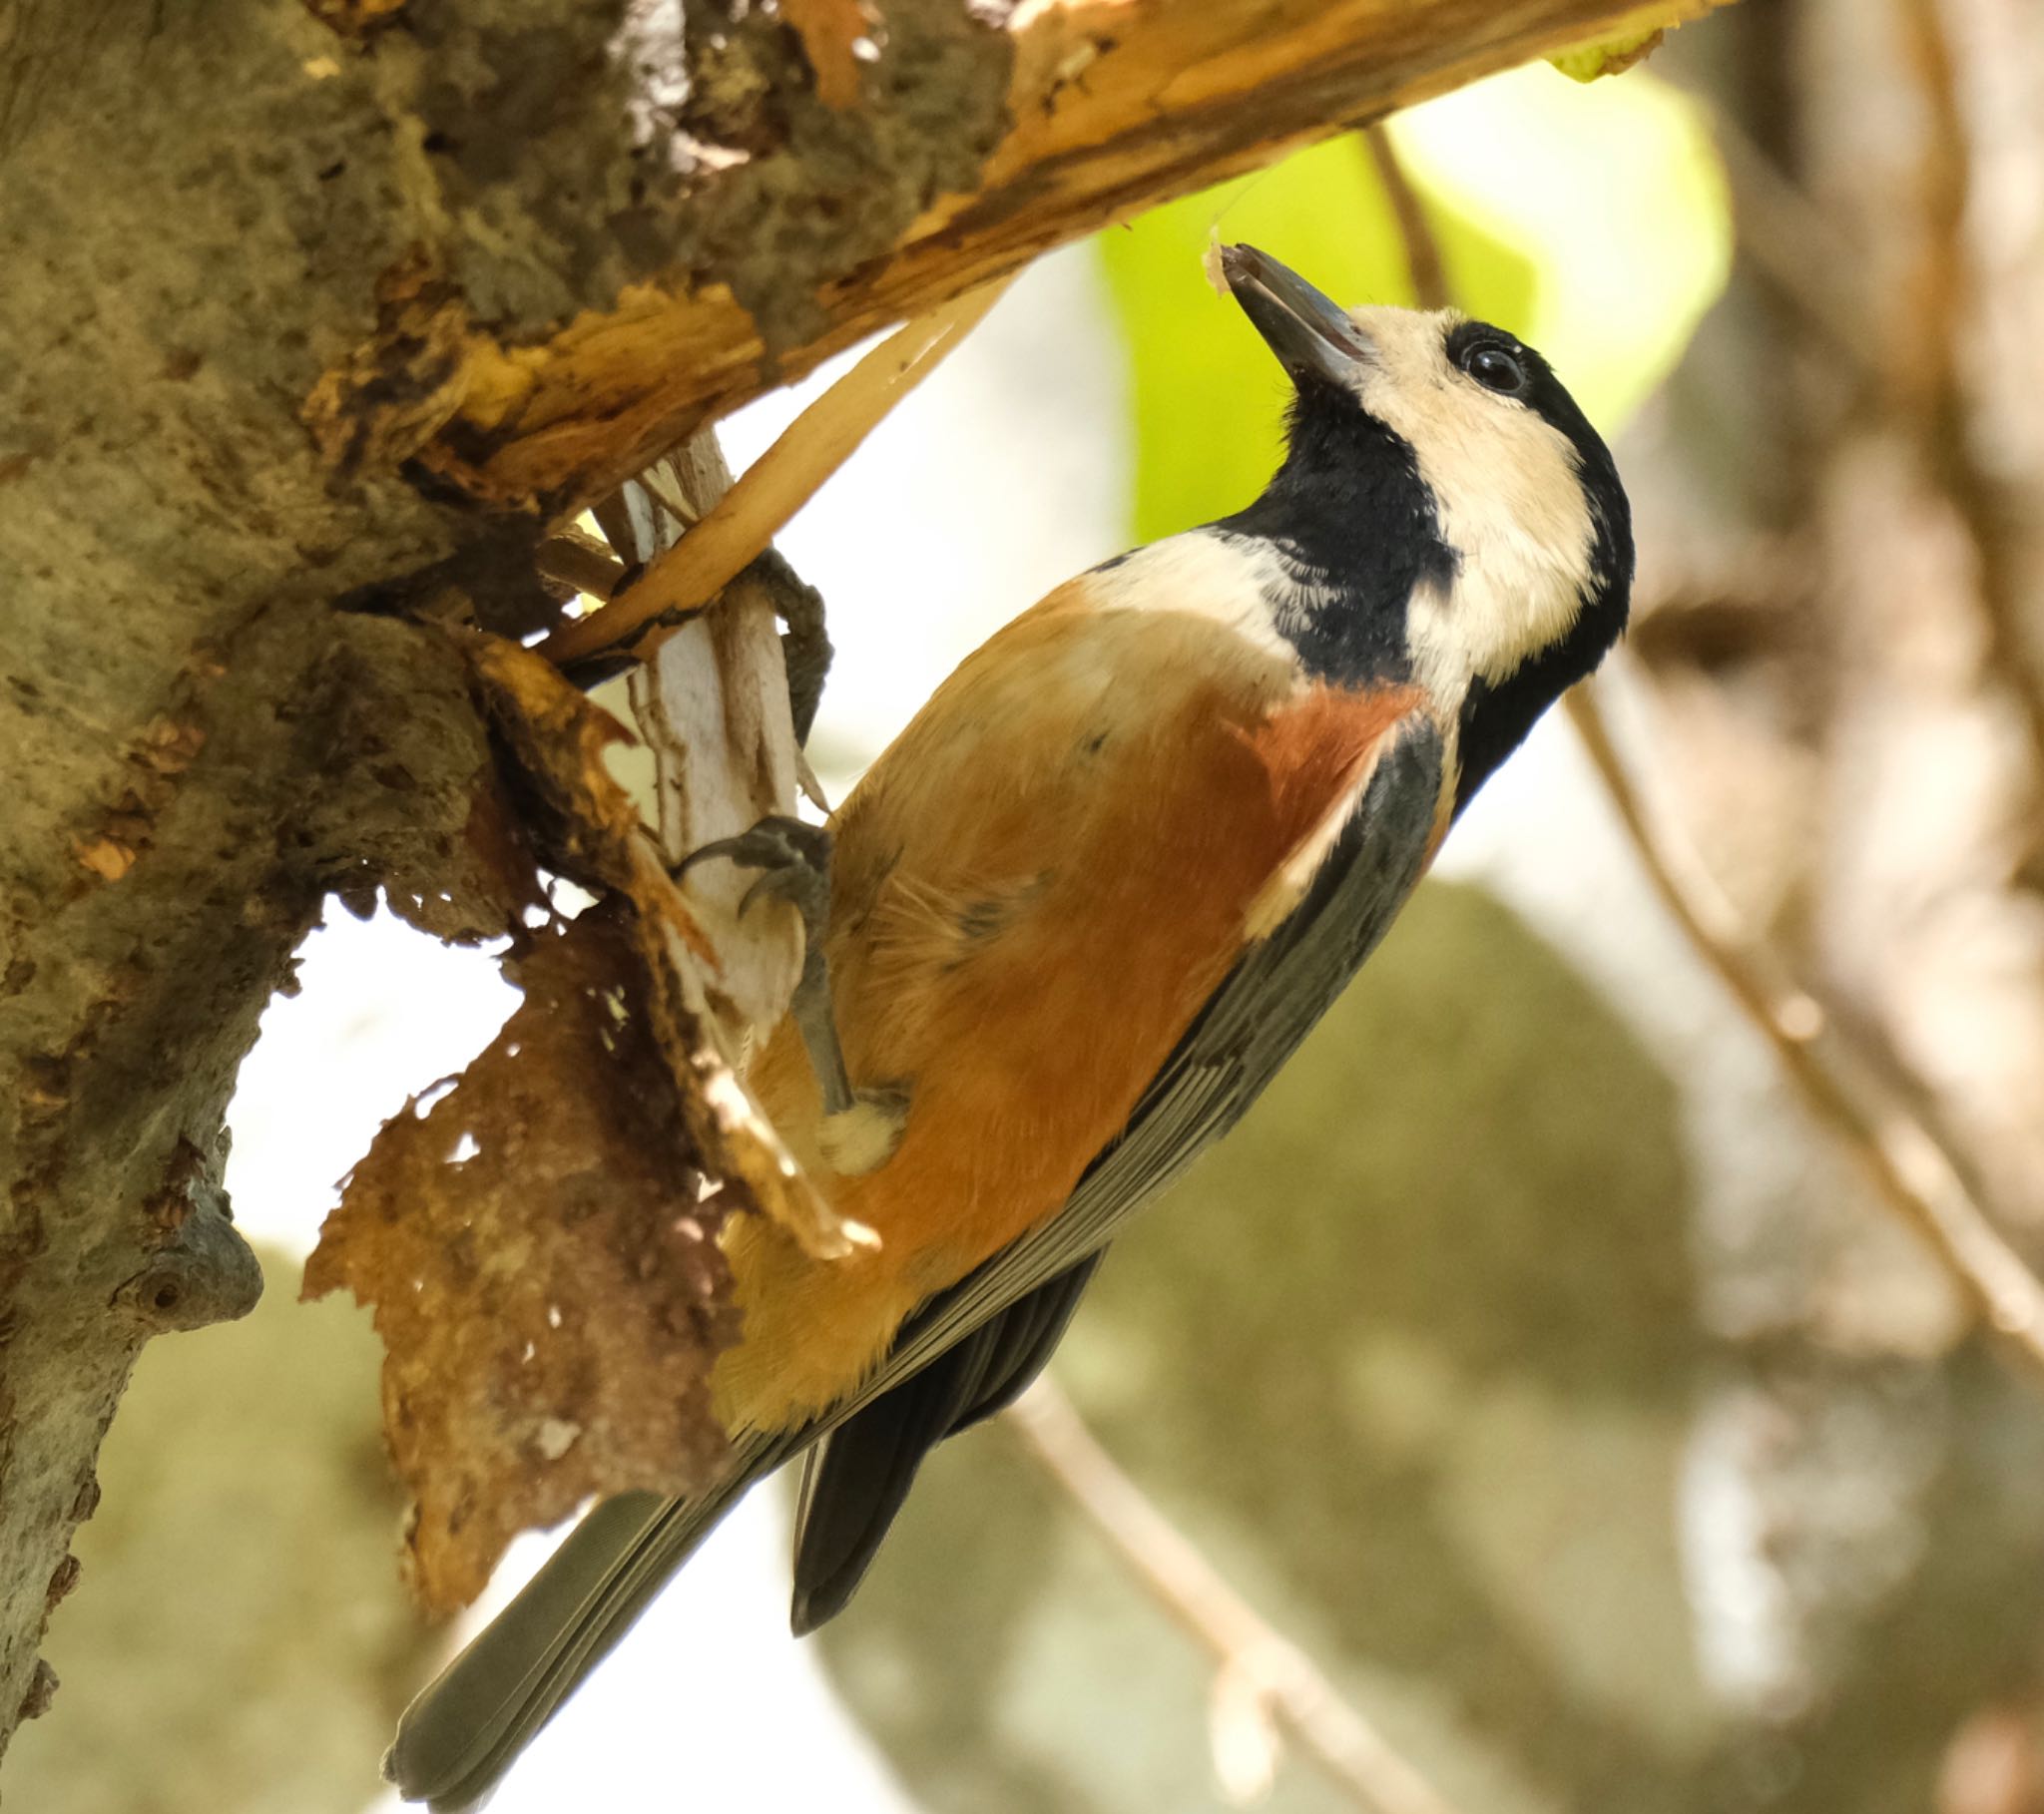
x,y
1511,505
1507,498
1510,599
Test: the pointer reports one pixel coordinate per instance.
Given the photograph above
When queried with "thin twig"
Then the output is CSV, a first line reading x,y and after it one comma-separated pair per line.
x,y
1912,1170
1938,324
654,483
1422,251
1251,1654
747,516
1941,280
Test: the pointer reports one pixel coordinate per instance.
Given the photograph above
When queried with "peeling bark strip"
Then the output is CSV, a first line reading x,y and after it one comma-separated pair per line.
x,y
289,290
591,831
1109,106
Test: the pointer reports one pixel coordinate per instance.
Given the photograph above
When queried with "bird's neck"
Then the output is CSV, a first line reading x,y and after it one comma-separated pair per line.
x,y
1352,529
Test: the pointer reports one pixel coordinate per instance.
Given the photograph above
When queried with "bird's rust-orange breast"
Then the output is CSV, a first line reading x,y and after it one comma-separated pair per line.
x,y
1036,889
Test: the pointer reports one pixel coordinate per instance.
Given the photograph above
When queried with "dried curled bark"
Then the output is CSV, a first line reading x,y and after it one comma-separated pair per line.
x,y
539,1242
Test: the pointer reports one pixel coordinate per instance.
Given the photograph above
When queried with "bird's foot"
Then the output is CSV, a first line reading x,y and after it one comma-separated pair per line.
x,y
794,860
860,1127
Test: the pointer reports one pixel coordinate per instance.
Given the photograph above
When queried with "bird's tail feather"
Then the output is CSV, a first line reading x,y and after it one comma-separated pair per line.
x,y
468,1725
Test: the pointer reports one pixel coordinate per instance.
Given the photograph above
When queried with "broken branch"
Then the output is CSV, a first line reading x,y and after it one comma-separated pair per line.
x,y
1109,107
786,476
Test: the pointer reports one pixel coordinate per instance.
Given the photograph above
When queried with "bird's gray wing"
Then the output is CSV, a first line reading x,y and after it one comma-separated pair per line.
x,y
463,1731
859,1477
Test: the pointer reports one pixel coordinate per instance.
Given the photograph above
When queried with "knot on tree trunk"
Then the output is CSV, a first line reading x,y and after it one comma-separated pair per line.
x,y
204,1273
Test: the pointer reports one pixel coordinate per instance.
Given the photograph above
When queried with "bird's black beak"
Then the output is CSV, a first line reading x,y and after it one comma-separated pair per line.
x,y
1308,331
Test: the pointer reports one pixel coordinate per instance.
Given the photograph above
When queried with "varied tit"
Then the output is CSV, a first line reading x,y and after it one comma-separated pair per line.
x,y
1082,911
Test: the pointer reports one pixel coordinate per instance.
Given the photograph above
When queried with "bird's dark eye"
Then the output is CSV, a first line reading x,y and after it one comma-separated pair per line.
x,y
1496,369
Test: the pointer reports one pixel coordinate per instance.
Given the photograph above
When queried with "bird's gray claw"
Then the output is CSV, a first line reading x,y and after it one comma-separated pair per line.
x,y
794,860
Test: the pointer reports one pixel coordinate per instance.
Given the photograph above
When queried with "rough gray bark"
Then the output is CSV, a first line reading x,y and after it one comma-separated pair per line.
x,y
195,745
292,297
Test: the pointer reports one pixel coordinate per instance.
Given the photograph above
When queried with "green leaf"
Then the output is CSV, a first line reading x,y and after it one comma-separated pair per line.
x,y
1594,221
1611,56
1616,196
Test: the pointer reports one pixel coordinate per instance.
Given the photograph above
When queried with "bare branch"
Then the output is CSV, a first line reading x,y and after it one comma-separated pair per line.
x,y
572,558
1422,251
1104,109
1938,321
1254,1658
1912,1170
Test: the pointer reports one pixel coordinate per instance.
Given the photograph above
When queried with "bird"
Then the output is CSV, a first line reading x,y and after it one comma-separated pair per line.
x,y
1082,911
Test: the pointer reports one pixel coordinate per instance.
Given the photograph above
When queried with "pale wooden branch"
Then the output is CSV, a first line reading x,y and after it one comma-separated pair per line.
x,y
1254,1660
1912,1169
747,518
